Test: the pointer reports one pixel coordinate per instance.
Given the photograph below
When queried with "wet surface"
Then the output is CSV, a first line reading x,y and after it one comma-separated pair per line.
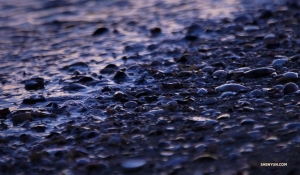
x,y
162,87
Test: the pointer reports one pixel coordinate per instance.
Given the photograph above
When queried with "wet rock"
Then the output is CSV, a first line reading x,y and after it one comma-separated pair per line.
x,y
295,58
34,84
4,112
100,31
251,28
232,87
114,140
223,116
130,104
119,95
39,128
256,93
243,19
34,99
205,158
227,94
171,105
248,122
290,88
109,69
74,87
266,14
288,77
155,31
278,63
175,162
202,92
119,76
210,100
75,66
259,72
20,118
220,74
293,125
133,164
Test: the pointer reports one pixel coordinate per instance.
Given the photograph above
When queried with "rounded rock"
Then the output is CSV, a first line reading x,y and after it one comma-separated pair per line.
x,y
290,88
130,104
133,164
20,118
232,87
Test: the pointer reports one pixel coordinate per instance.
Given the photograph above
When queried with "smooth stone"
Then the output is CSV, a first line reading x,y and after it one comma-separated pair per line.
x,y
202,92
133,163
20,118
227,94
100,31
248,122
291,75
259,72
109,69
293,125
114,140
120,75
210,100
290,88
34,99
74,87
223,116
256,93
34,84
232,87
130,104
175,162
220,74
4,112
279,62
251,28
39,128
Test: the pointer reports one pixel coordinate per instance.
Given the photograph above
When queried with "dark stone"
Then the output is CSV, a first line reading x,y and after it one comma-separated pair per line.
x,y
155,31
34,99
100,31
4,112
34,84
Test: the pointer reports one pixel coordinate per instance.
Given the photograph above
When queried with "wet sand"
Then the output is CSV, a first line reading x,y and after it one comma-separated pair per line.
x,y
156,87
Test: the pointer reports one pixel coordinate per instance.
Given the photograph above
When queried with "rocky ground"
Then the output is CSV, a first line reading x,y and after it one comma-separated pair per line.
x,y
125,87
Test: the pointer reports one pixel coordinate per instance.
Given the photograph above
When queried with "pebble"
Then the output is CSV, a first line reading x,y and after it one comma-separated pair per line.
x,y
34,84
114,140
119,95
210,100
205,158
278,63
172,105
223,116
290,88
232,87
220,74
175,162
20,118
130,104
39,128
120,75
109,69
202,92
256,93
34,99
4,112
100,31
248,122
133,163
259,72
74,87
